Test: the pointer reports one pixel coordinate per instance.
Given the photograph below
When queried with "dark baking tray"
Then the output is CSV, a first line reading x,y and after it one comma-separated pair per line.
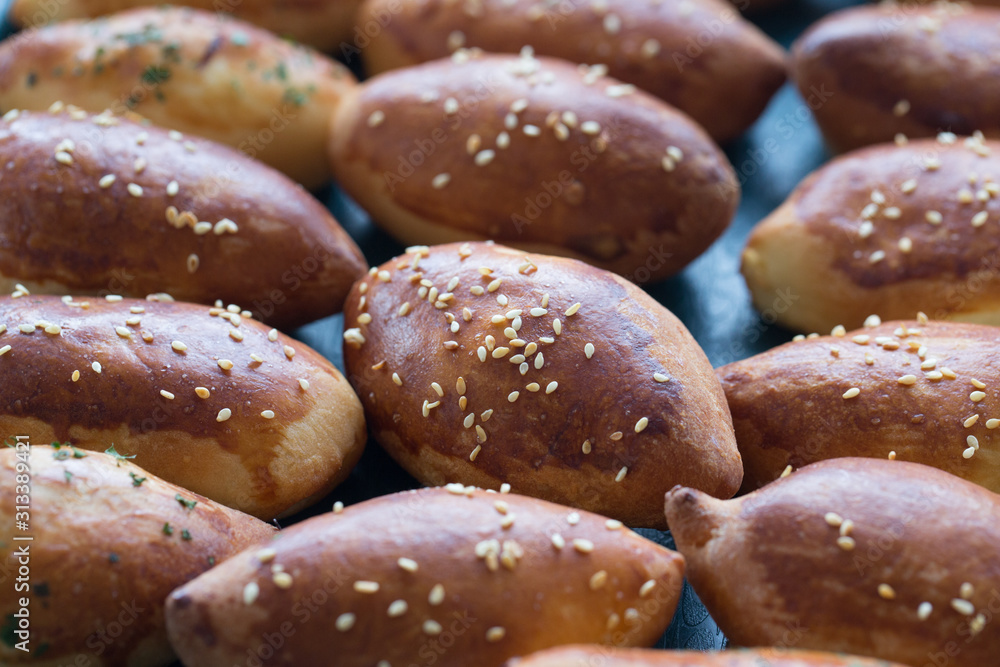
x,y
710,296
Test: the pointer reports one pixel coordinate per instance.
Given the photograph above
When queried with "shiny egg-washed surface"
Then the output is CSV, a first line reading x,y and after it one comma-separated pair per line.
x,y
709,296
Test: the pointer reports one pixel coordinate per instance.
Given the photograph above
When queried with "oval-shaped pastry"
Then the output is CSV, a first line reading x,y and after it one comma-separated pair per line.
x,y
916,391
96,203
872,72
589,656
890,230
321,25
481,364
906,548
188,70
536,153
203,397
702,58
92,547
458,574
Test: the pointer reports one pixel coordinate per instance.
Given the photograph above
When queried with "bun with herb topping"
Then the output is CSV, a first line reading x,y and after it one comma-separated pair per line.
x,y
122,207
538,154
590,656
189,70
889,229
203,397
481,364
461,575
95,544
916,391
887,559
724,82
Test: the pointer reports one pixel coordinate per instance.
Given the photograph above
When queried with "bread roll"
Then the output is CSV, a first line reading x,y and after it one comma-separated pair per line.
x,y
535,153
321,25
92,546
480,364
880,70
889,559
190,71
187,217
889,230
702,58
451,576
924,393
201,396
589,656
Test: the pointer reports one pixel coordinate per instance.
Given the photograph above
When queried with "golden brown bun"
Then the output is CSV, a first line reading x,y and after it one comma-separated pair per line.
x,y
288,260
879,70
723,82
603,198
260,465
589,656
770,566
321,25
109,541
810,265
789,408
187,70
478,435
503,587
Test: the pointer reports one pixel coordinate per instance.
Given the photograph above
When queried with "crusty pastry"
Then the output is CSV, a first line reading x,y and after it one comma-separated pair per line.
x,y
453,576
482,365
889,559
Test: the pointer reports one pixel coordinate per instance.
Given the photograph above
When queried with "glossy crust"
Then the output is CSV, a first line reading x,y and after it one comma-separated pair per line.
x,y
142,397
768,565
723,83
890,68
603,197
788,403
832,254
287,259
481,432
101,560
589,656
503,587
316,23
188,70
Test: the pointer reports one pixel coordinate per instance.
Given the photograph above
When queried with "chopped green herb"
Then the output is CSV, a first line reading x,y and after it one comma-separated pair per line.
x,y
281,72
69,476
239,39
172,52
154,75
78,453
149,33
186,535
211,561
294,97
168,529
31,80
113,558
111,451
136,480
189,504
60,455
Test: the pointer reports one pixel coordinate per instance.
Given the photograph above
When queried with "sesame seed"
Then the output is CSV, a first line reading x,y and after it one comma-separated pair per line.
x,y
846,543
583,546
500,352
225,364
978,384
924,610
647,588
75,376
852,392
598,580
166,394
436,595
833,519
933,217
55,329
250,593
397,608
407,564
440,181
282,580
96,365
908,186
289,351
376,118
557,326
616,436
432,627
512,396
345,622
970,421
621,474
63,157
966,591
660,377
876,257
573,518
904,380
551,387
484,157
573,310
366,587
178,346
992,423
613,524
886,592
587,447
266,555
224,414
480,433
134,189
969,453
267,414
977,396
979,219
963,607
557,541
495,634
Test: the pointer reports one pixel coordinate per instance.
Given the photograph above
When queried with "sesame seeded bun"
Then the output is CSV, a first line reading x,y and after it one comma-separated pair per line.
x,y
916,391
887,559
107,543
889,229
197,72
724,84
130,208
589,656
481,364
535,153
872,72
321,25
202,397
487,576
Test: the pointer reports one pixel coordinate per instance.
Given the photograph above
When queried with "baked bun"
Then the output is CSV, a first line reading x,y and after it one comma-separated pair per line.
x,y
93,544
189,70
457,574
480,364
537,153
890,230
589,656
96,203
202,397
888,559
